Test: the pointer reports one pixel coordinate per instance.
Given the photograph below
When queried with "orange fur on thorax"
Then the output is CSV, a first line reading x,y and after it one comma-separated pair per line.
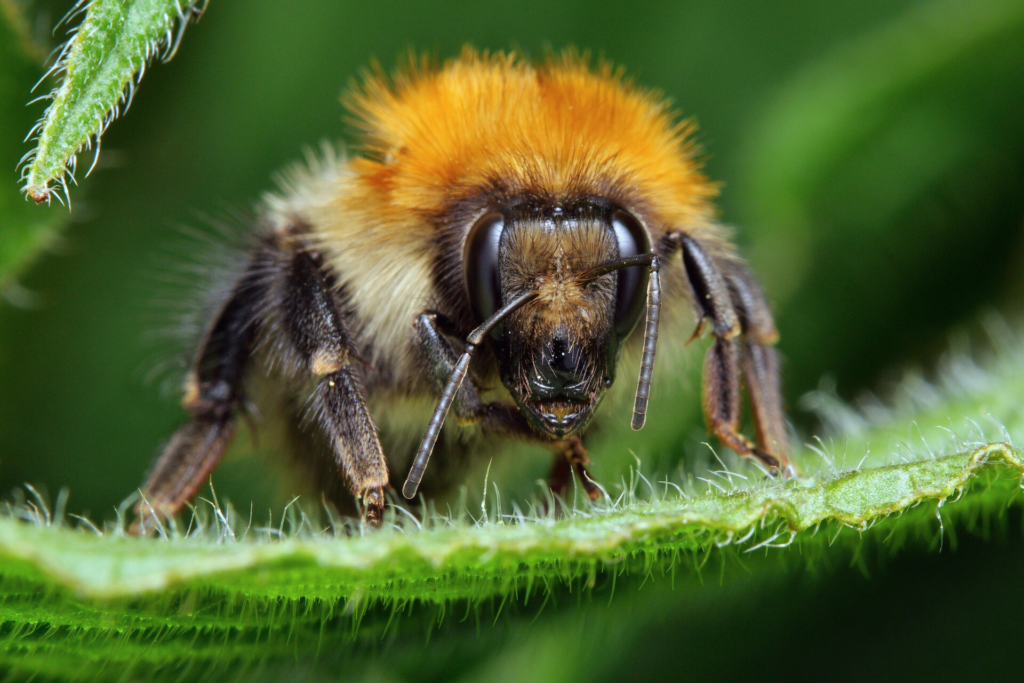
x,y
560,128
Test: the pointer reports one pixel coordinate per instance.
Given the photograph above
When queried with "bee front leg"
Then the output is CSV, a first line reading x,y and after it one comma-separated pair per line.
x,y
759,362
438,360
726,294
570,459
322,339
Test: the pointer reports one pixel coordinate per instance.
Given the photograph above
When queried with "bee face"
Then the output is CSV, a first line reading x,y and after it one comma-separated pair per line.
x,y
557,354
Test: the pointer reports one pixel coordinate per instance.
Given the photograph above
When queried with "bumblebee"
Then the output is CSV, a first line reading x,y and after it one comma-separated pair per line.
x,y
491,253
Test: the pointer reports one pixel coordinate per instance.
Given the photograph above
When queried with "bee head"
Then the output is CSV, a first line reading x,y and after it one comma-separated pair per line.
x,y
557,353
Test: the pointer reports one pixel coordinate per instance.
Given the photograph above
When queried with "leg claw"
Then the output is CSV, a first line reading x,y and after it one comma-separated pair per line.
x,y
373,506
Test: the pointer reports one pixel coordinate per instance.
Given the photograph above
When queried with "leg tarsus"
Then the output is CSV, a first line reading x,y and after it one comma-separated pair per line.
x,y
767,459
373,506
576,454
722,387
731,437
760,365
184,466
760,370
357,448
590,486
722,402
560,476
721,399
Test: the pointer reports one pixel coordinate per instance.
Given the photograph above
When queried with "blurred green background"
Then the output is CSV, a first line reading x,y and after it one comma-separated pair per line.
x,y
871,153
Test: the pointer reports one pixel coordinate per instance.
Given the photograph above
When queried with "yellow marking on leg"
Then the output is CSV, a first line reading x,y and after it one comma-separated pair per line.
x,y
325,363
191,396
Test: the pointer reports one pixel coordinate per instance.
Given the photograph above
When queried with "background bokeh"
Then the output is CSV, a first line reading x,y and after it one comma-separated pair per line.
x,y
871,155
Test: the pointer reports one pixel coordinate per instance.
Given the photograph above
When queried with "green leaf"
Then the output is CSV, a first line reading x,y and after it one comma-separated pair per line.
x,y
231,593
101,65
410,564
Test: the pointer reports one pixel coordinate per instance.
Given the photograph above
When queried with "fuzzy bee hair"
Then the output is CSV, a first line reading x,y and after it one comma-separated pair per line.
x,y
359,282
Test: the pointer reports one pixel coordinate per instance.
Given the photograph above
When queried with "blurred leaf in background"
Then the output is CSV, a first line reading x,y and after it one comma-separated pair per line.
x,y
883,189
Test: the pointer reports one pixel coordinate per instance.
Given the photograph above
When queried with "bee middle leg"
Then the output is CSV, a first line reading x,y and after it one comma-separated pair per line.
x,y
320,335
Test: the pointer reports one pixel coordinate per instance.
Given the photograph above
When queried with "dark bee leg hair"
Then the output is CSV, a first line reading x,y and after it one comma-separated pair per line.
x,y
439,359
726,294
318,331
213,392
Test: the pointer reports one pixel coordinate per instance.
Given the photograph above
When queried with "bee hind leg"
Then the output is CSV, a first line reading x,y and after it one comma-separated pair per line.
x,y
213,393
759,364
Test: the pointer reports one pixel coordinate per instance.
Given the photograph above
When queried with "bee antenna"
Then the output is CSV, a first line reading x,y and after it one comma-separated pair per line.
x,y
475,338
603,269
643,385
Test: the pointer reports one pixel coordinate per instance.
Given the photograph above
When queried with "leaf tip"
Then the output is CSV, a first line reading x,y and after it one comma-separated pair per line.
x,y
38,194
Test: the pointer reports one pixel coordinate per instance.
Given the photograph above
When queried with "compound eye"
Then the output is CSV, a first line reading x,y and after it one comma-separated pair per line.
x,y
480,261
632,289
